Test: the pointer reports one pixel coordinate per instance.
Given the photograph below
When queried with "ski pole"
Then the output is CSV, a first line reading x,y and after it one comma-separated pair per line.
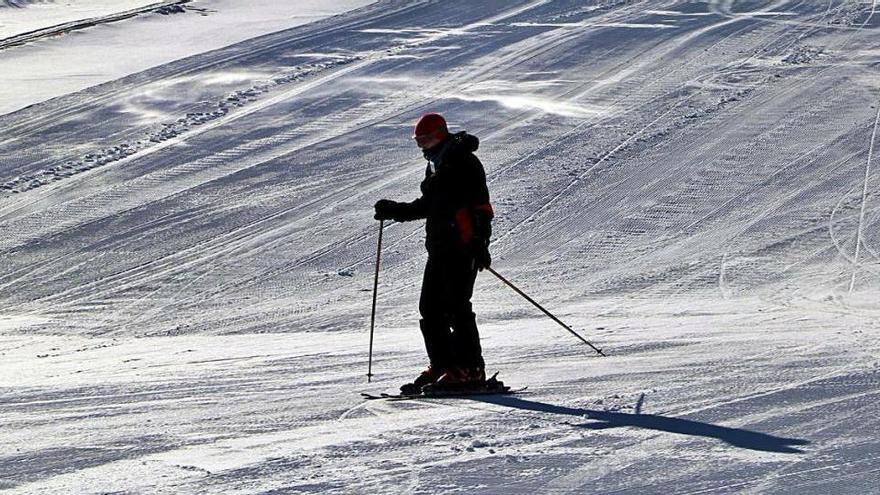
x,y
375,291
554,318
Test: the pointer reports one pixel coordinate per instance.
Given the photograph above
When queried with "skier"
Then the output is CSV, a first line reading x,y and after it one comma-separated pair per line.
x,y
455,204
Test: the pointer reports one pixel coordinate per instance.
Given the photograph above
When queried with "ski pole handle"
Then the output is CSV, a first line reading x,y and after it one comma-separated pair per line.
x,y
375,292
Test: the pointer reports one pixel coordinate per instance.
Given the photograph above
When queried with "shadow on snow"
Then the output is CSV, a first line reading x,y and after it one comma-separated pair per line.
x,y
735,436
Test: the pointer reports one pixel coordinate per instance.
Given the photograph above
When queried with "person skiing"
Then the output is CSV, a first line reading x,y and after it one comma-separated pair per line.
x,y
455,204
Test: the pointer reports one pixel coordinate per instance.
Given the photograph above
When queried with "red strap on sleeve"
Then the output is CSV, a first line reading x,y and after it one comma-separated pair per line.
x,y
465,226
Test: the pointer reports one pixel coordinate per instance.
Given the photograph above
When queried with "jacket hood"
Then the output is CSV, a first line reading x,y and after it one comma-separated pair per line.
x,y
465,142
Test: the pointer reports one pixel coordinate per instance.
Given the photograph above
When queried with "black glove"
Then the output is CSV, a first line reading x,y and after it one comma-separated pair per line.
x,y
385,209
479,249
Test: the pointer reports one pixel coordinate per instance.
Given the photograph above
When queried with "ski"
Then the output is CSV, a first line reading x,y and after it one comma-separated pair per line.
x,y
457,394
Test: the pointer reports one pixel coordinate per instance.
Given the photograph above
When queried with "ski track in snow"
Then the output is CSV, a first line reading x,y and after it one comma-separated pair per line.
x,y
864,201
188,257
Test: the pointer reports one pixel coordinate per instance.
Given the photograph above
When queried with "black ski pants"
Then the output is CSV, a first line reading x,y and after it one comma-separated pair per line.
x,y
448,322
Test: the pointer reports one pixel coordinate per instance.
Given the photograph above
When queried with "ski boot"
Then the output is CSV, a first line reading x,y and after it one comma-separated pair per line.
x,y
426,377
457,379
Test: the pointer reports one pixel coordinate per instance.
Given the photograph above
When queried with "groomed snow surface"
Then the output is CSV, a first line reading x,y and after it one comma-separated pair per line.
x,y
22,16
188,253
164,31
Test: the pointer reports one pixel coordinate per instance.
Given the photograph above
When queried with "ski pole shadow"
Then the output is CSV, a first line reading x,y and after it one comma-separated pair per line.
x,y
738,437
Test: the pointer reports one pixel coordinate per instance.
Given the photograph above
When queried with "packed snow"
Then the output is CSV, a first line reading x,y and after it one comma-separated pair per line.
x,y
22,16
189,248
89,55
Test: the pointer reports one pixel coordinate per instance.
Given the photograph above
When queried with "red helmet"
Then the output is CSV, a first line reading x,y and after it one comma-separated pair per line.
x,y
430,130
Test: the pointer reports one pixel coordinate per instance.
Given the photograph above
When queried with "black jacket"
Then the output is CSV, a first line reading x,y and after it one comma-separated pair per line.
x,y
455,199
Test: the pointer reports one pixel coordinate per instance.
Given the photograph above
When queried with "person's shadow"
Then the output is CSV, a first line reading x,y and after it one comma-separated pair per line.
x,y
604,419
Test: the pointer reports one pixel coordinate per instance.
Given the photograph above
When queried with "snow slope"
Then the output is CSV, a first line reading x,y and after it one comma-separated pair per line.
x,y
91,46
22,16
693,185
